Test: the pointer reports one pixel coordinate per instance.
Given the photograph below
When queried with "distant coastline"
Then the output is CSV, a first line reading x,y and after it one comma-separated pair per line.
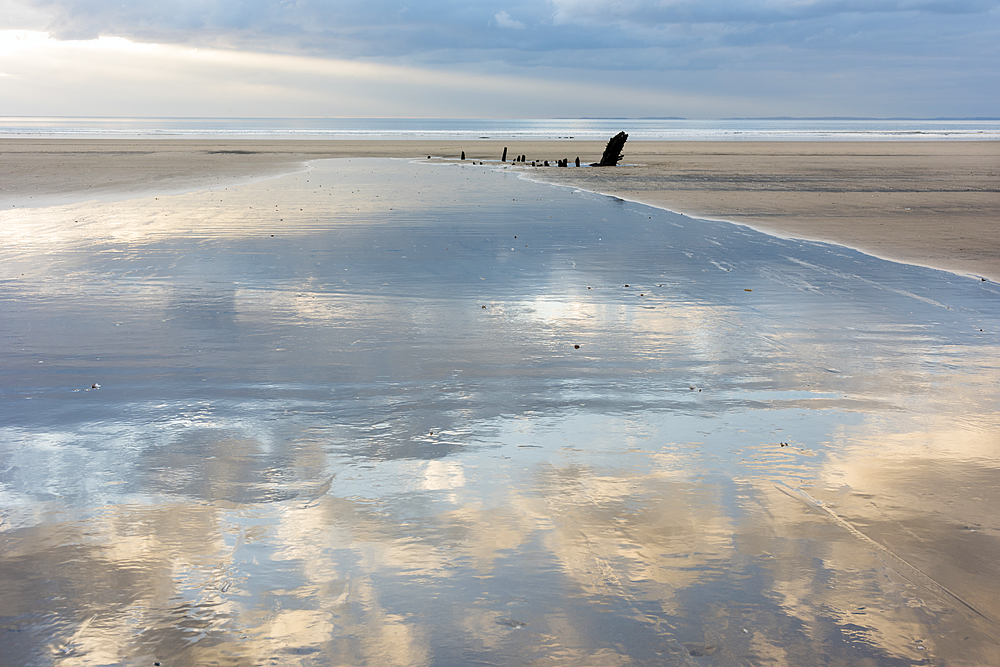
x,y
474,129
861,118
878,118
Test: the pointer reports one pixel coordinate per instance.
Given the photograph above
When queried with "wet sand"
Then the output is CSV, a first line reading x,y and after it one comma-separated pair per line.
x,y
933,204
344,417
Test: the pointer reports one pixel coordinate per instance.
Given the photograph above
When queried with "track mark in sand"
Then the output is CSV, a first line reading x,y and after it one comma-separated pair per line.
x,y
896,562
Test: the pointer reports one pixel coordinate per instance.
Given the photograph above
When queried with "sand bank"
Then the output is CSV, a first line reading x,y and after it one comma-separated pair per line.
x,y
930,203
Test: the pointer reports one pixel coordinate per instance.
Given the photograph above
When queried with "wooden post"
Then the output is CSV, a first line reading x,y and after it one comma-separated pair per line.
x,y
578,162
463,155
504,158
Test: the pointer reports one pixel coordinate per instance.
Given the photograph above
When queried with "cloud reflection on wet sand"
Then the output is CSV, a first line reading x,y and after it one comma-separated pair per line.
x,y
371,439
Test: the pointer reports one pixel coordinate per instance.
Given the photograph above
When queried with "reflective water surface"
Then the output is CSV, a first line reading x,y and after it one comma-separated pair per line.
x,y
395,414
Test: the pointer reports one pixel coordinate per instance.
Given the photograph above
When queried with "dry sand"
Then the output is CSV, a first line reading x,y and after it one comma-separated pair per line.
x,y
934,203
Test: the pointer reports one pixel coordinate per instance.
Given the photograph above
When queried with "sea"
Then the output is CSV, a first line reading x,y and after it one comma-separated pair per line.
x,y
391,412
639,129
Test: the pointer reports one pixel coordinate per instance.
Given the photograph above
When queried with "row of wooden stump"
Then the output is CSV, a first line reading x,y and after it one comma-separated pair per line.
x,y
612,154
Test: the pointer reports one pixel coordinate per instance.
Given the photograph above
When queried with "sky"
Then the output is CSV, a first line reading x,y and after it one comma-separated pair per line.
x,y
500,59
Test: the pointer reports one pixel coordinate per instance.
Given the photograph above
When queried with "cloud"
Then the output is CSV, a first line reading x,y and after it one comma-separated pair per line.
x,y
504,20
686,12
796,49
625,33
116,77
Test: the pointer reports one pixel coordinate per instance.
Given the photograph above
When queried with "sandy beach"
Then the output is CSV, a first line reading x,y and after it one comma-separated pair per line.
x,y
934,204
389,412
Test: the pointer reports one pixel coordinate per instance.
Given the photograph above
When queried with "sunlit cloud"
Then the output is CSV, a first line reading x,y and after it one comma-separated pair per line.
x,y
115,76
